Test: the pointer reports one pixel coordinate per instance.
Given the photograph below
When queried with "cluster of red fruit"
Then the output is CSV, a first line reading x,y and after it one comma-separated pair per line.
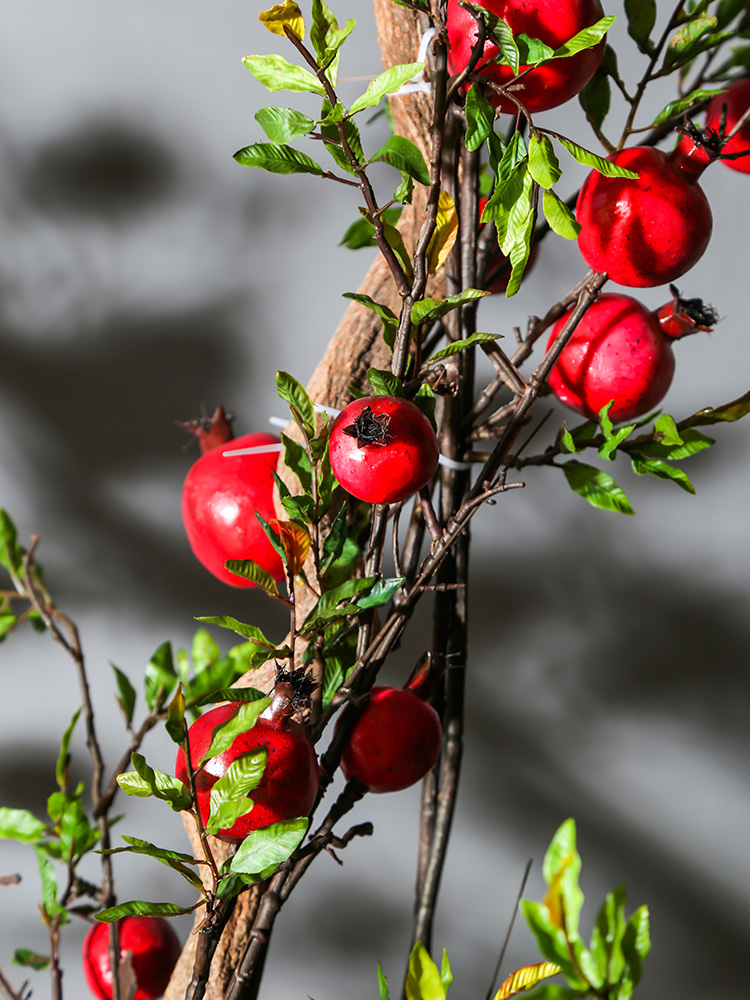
x,y
642,233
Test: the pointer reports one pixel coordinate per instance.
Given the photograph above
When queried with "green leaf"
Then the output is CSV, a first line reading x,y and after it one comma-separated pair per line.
x,y
636,944
361,233
641,15
140,908
402,154
336,604
404,193
728,10
327,37
32,960
175,860
333,543
456,346
550,940
63,759
229,798
566,442
446,976
585,39
232,885
386,83
613,438
533,51
224,735
380,593
384,383
247,631
501,34
735,410
297,459
204,649
596,96
543,163
607,935
480,119
663,470
275,73
551,991
250,570
277,159
175,722
50,904
689,40
283,125
423,980
589,159
20,824
428,310
145,781
331,119
510,174
561,869
667,428
677,108
238,694
515,228
382,984
160,677
76,834
10,551
596,486
126,695
263,850
561,219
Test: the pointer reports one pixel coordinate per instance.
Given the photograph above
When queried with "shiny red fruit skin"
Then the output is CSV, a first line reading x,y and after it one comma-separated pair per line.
x,y
219,500
384,472
153,945
648,231
395,742
290,779
553,22
737,100
618,351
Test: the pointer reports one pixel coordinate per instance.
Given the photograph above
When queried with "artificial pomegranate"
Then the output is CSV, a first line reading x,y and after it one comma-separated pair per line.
x,y
383,449
651,230
289,783
154,951
499,269
220,497
545,86
737,101
623,352
395,742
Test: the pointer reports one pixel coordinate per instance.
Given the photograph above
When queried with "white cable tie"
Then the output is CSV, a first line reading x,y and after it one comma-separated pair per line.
x,y
277,421
417,85
451,463
258,449
330,410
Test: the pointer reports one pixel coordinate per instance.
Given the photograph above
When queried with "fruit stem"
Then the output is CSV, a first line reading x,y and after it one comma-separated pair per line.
x,y
211,431
681,317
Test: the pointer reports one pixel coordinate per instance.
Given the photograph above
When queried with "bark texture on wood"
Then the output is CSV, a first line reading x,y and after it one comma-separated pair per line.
x,y
355,346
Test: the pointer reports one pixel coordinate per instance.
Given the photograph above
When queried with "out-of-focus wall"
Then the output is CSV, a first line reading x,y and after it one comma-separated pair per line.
x,y
144,273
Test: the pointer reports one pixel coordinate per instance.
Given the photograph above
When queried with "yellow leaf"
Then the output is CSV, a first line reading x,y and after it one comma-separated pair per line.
x,y
525,979
284,15
446,231
296,543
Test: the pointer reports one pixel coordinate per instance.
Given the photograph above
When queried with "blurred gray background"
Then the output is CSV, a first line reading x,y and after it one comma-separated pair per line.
x,y
144,273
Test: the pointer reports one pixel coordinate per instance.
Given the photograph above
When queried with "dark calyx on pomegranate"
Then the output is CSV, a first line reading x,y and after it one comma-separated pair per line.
x,y
648,231
153,948
623,352
382,449
289,783
723,113
397,739
221,495
548,85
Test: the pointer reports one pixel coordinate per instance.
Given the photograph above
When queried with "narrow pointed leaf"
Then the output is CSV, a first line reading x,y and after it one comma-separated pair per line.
x,y
423,980
277,159
140,908
662,470
269,846
229,798
224,735
456,346
386,83
445,234
480,119
589,159
256,574
543,163
428,310
526,978
61,769
597,487
144,781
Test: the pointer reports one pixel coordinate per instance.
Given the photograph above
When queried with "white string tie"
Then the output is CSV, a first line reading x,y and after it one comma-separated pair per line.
x,y
417,85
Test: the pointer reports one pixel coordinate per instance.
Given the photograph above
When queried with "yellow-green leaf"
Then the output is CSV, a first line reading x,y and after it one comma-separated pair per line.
x,y
446,231
525,979
284,15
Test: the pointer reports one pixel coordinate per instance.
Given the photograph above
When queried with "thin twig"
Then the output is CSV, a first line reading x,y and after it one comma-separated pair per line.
x,y
509,930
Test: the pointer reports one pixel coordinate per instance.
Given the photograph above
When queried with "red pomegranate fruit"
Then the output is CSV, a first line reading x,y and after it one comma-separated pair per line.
x,y
152,945
623,352
289,783
548,85
221,495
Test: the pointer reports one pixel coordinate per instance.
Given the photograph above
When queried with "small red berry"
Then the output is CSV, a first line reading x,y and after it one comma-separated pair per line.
x,y
548,85
219,500
290,780
621,351
651,230
395,742
382,449
153,946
